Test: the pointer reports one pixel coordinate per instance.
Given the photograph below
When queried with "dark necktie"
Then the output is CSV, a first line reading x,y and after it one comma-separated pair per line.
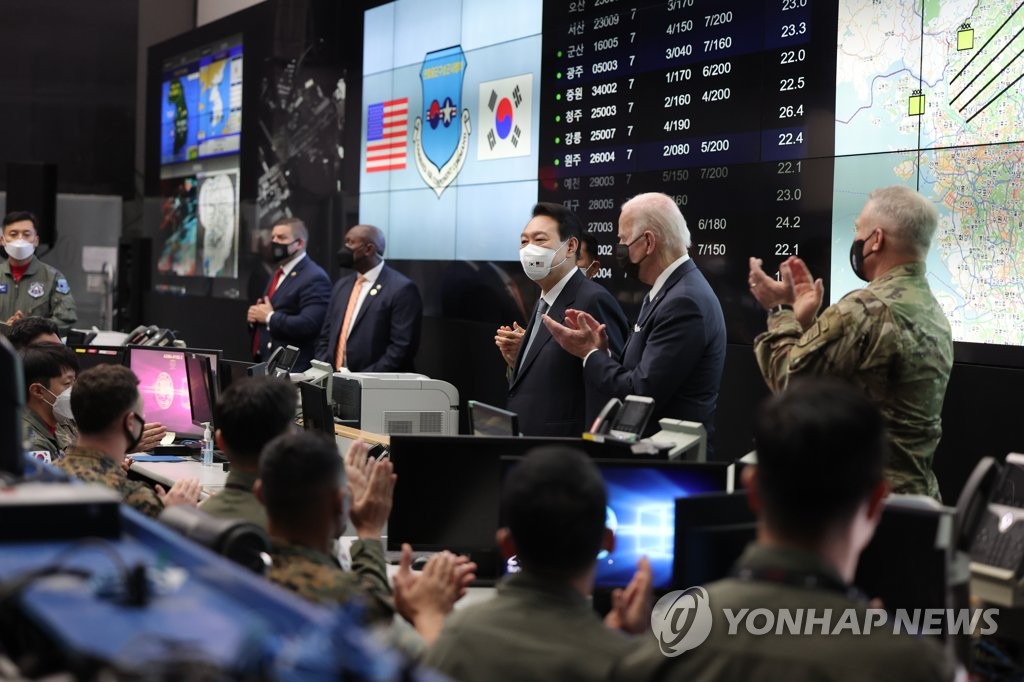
x,y
643,307
541,309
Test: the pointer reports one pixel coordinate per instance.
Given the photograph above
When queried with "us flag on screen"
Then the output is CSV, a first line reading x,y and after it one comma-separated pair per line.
x,y
387,125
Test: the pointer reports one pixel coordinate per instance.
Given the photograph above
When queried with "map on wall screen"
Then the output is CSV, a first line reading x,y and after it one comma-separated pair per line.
x,y
928,94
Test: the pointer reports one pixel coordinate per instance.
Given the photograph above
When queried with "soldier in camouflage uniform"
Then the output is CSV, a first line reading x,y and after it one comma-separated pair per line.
x,y
890,338
303,486
108,409
49,371
28,286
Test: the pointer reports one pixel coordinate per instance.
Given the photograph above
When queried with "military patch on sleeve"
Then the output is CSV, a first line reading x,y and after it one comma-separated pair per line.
x,y
35,290
3,288
62,286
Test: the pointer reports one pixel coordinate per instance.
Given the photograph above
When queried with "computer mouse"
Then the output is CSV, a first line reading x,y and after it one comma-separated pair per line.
x,y
419,563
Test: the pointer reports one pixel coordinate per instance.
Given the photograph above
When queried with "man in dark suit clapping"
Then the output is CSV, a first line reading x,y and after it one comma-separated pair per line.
x,y
291,311
677,349
546,385
374,317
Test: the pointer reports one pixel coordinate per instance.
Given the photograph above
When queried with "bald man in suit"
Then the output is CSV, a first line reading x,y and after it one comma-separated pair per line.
x,y
374,317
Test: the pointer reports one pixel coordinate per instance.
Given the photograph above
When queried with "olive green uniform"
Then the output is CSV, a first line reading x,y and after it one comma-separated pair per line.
x,y
878,655
892,340
319,577
532,629
237,500
42,292
95,467
37,435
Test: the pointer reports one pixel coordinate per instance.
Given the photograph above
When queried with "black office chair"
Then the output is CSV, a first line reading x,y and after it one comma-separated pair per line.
x,y
240,541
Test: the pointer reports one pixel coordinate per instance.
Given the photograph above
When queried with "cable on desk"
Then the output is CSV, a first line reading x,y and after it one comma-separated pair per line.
x,y
13,587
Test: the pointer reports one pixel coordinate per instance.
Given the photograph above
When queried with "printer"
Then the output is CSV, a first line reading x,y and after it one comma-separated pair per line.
x,y
395,402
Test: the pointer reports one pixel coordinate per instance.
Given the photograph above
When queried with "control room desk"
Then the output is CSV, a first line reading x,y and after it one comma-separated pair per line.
x,y
211,478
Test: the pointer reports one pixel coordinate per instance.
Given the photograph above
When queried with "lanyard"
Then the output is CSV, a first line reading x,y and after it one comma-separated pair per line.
x,y
800,579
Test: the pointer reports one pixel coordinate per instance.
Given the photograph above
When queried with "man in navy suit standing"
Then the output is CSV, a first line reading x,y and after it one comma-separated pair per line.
x,y
374,317
546,387
291,311
677,349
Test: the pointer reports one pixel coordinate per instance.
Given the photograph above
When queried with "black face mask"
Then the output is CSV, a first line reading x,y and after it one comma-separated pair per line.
x,y
857,258
132,438
346,257
279,252
621,253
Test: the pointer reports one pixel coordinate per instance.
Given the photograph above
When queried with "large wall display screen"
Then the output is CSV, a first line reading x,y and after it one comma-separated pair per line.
x,y
768,121
200,145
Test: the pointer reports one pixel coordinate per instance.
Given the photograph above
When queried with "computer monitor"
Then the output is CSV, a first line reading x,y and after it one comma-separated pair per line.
x,y
231,371
712,530
163,383
642,513
93,356
446,499
316,411
12,401
920,535
487,420
430,516
200,388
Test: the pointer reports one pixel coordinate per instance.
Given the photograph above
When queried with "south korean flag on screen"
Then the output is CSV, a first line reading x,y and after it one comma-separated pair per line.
x,y
505,111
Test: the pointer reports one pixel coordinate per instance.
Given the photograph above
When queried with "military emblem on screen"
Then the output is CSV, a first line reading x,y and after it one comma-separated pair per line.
x,y
440,136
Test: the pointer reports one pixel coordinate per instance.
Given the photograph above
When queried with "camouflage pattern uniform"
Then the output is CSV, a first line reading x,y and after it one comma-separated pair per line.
x,y
847,656
42,292
94,466
237,500
534,629
893,341
319,577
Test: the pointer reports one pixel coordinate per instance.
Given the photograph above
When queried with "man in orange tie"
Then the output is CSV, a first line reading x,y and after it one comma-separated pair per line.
x,y
291,311
373,320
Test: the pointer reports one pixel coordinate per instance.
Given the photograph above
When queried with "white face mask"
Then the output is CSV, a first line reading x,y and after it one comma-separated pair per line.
x,y
19,249
537,259
62,406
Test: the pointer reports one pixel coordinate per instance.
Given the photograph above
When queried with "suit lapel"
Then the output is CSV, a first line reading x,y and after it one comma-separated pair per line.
x,y
371,296
649,309
556,312
283,284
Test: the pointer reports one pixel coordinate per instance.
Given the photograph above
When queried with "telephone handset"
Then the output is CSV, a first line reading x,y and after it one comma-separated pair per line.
x,y
974,499
603,423
624,420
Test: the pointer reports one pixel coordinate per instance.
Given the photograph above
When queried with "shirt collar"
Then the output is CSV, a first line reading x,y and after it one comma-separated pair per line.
x,y
287,268
759,557
241,479
525,584
103,462
30,269
373,273
286,549
914,269
665,274
554,291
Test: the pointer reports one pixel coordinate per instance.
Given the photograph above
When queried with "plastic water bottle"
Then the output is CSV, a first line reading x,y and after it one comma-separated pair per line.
x,y
207,445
